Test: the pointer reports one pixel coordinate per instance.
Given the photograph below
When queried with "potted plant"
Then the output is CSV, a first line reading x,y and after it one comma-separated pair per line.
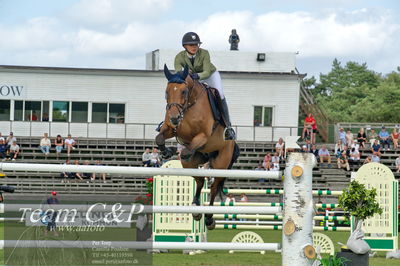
x,y
360,203
143,228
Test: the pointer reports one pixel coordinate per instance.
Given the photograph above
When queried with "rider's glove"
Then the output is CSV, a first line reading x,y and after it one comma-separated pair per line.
x,y
195,76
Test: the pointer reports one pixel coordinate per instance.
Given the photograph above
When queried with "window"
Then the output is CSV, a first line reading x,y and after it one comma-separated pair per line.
x,y
99,113
33,110
18,111
60,111
45,116
5,110
79,112
117,113
263,116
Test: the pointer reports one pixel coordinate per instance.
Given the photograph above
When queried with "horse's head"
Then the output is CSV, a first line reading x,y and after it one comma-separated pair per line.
x,y
176,94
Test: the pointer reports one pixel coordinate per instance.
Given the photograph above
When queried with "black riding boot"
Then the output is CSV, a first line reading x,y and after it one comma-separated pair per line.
x,y
229,132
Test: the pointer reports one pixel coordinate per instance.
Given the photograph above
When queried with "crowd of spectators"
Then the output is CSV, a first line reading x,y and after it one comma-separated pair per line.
x,y
60,144
9,149
68,177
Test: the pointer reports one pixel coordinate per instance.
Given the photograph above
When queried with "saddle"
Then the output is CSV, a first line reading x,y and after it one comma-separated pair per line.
x,y
215,103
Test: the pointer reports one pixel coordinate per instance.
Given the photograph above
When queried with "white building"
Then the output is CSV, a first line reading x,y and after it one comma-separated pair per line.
x,y
263,97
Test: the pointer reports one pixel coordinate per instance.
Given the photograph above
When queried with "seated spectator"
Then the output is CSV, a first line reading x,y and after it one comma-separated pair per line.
x,y
230,198
372,136
267,162
243,198
155,158
275,158
338,148
361,138
280,148
67,175
397,163
368,159
346,151
314,151
2,138
274,167
342,161
324,156
3,150
375,158
349,138
384,138
376,148
70,144
146,157
59,143
354,158
304,149
87,176
103,175
9,141
45,144
342,136
395,138
14,151
77,175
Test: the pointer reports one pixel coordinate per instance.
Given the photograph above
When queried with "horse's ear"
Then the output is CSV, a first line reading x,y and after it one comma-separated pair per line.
x,y
167,73
185,72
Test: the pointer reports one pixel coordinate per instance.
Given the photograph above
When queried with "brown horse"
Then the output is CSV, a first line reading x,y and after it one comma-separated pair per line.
x,y
189,118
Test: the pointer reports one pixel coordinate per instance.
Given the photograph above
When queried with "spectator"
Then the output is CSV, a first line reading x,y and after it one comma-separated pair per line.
x,y
87,176
346,151
45,117
342,135
324,156
376,148
45,144
155,158
280,148
375,158
9,141
308,145
275,158
77,175
70,144
368,159
349,138
52,215
354,157
304,149
314,151
397,163
372,136
146,157
342,161
361,138
67,175
395,138
338,148
14,151
384,138
59,143
309,125
2,138
32,116
103,175
230,199
267,162
243,198
259,167
3,150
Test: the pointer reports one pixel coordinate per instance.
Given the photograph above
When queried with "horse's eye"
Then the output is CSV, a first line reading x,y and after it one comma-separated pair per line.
x,y
184,93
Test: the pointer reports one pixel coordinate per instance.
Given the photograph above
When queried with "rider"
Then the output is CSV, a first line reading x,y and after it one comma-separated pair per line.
x,y
199,63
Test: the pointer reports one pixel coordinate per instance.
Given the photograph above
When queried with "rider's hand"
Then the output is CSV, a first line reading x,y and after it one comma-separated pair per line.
x,y
195,76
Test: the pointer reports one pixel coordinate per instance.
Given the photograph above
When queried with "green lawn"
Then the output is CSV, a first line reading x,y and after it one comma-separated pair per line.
x,y
176,258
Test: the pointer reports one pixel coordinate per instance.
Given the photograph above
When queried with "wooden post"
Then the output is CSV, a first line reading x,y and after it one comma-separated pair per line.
x,y
298,211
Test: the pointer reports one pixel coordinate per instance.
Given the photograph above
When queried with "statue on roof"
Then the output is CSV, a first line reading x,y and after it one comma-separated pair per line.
x,y
234,40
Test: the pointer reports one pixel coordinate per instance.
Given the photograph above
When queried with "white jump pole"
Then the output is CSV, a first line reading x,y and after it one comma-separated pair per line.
x,y
138,245
298,211
139,171
138,208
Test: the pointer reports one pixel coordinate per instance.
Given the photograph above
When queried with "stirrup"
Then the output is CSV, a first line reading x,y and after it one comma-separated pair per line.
x,y
229,133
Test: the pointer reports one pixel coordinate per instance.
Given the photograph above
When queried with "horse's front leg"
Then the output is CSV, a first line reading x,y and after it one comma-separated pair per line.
x,y
196,199
197,142
165,133
210,221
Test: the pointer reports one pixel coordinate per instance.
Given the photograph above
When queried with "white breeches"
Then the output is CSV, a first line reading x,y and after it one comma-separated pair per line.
x,y
215,81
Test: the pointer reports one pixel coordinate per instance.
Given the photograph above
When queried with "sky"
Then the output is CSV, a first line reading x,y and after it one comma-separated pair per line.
x,y
118,33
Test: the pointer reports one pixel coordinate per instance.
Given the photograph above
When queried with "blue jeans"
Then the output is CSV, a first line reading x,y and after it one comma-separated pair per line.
x,y
45,149
59,149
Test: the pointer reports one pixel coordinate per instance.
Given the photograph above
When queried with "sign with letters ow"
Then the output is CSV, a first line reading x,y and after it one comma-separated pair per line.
x,y
8,91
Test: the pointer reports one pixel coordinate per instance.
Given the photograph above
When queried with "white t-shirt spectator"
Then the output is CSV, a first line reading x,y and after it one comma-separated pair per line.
x,y
45,142
279,146
375,159
397,161
154,157
354,155
275,159
14,148
10,140
228,200
69,142
323,152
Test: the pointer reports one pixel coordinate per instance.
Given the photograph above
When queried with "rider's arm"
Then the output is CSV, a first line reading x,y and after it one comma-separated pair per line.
x,y
208,68
179,62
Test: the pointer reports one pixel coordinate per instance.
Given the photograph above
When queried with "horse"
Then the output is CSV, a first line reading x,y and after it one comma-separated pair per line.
x,y
190,120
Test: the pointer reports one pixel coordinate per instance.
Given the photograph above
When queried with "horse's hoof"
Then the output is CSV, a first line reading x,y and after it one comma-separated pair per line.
x,y
210,223
196,216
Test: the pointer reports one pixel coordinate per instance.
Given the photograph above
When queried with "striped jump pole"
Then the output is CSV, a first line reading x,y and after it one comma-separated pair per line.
x,y
275,192
278,227
275,217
